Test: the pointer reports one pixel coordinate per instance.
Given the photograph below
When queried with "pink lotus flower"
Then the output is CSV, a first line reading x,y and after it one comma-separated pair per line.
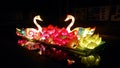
x,y
57,36
62,37
48,32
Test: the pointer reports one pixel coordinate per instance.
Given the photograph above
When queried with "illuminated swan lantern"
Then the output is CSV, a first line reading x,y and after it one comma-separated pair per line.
x,y
32,32
85,35
80,31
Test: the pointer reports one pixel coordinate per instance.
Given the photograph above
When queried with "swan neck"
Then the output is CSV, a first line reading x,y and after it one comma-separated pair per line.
x,y
71,24
38,26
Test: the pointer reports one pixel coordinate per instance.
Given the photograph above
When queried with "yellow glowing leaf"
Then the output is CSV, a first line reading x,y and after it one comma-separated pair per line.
x,y
87,37
91,39
91,45
85,43
98,41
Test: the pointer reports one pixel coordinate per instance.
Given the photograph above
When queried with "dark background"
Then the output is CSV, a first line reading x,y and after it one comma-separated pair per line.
x,y
19,13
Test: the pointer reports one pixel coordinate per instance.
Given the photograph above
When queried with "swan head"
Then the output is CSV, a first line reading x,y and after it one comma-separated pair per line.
x,y
69,17
38,18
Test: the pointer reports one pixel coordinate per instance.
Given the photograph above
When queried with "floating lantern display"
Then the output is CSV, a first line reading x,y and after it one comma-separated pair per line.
x,y
62,43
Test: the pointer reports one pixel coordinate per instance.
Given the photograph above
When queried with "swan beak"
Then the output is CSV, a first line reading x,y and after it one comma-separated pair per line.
x,y
66,19
40,19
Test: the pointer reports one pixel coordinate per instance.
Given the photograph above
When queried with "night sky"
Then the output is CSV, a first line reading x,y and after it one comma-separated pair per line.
x,y
52,11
